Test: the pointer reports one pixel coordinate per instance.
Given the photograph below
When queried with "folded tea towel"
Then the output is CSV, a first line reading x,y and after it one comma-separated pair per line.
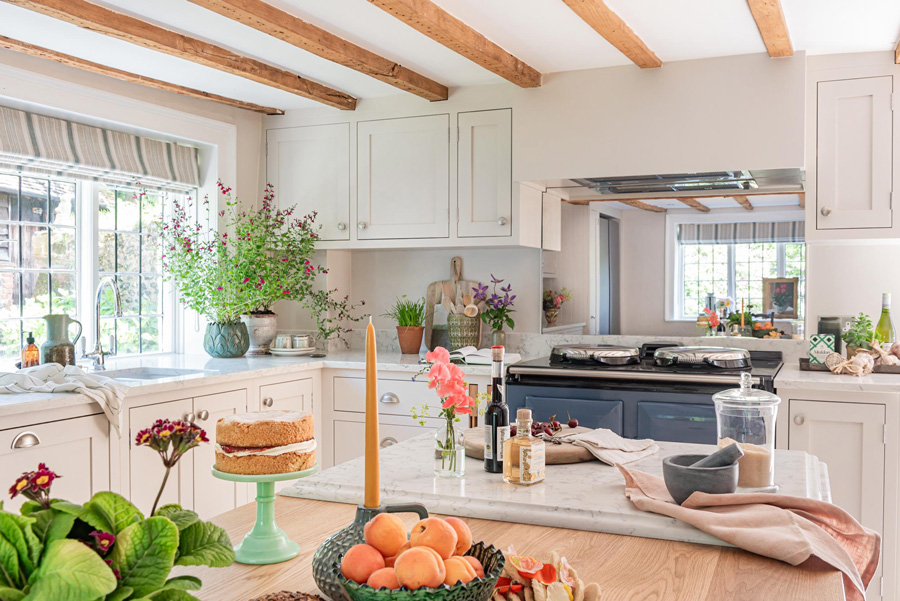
x,y
789,529
609,447
53,377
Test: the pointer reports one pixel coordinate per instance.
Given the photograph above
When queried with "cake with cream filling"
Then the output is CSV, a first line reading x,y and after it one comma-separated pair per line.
x,y
266,442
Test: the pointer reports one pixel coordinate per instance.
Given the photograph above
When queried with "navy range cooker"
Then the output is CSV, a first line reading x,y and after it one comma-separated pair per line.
x,y
659,391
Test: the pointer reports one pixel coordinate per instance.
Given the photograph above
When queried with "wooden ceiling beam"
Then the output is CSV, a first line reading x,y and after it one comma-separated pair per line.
x,y
306,36
433,21
611,26
78,63
637,204
694,204
743,201
772,26
142,33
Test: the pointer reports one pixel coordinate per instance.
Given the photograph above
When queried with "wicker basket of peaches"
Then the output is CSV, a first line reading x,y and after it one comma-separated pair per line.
x,y
436,560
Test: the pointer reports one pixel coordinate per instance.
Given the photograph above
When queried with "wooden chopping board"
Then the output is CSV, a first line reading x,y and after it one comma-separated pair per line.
x,y
556,454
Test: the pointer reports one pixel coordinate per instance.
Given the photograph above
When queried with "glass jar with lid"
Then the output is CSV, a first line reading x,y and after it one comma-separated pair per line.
x,y
747,416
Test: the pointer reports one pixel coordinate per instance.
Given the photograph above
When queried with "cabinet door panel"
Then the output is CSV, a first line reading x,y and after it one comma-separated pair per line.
x,y
295,395
310,167
395,397
146,471
76,449
484,175
213,496
854,154
403,178
350,437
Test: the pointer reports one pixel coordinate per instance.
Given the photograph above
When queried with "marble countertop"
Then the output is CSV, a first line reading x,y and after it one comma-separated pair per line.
x,y
790,376
582,496
214,371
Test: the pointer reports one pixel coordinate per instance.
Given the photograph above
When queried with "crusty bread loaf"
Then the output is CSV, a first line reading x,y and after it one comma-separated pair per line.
x,y
265,429
264,464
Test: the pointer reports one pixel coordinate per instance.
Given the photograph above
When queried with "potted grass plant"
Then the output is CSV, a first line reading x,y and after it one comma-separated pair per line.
x,y
410,318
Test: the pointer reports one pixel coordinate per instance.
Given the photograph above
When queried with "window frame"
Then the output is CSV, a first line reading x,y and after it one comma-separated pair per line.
x,y
674,278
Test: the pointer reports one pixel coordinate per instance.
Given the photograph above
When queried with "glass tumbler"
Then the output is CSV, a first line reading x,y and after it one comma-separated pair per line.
x,y
747,416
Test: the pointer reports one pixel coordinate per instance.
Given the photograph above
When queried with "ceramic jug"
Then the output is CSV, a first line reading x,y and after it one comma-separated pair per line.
x,y
58,348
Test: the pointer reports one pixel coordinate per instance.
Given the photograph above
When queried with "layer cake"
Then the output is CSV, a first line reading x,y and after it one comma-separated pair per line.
x,y
266,442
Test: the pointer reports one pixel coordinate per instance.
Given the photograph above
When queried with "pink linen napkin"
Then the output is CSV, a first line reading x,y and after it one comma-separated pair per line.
x,y
789,529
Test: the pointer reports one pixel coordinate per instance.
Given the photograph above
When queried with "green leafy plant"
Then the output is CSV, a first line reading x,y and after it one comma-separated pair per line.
x,y
407,313
104,550
332,313
859,332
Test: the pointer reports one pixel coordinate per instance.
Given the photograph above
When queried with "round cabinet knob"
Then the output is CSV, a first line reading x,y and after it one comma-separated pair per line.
x,y
203,415
189,417
342,226
389,398
388,441
502,221
799,419
362,225
23,440
825,211
268,401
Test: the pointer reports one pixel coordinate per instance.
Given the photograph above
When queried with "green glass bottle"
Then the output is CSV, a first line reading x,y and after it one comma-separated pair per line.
x,y
884,331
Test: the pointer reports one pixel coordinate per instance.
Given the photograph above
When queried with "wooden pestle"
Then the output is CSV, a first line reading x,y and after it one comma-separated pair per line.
x,y
722,457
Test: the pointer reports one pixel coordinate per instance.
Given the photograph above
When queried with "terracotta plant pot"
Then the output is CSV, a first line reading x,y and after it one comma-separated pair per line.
x,y
410,338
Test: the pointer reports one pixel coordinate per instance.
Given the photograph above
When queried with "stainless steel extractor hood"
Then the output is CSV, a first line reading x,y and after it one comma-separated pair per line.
x,y
700,183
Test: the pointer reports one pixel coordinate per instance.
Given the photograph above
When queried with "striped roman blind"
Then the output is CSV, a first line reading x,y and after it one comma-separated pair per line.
x,y
741,233
51,146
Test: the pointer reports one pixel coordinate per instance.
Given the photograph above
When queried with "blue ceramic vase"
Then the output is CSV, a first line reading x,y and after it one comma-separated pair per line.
x,y
226,340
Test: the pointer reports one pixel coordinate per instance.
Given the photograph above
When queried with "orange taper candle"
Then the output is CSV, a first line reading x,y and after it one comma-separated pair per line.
x,y
373,474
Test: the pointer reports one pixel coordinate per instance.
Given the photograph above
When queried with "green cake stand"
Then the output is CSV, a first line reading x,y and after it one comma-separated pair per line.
x,y
266,543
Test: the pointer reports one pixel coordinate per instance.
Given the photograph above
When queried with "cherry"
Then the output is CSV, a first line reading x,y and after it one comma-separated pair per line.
x,y
573,423
556,425
548,431
513,429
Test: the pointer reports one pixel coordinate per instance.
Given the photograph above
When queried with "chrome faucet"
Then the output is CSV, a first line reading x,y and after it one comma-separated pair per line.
x,y
98,354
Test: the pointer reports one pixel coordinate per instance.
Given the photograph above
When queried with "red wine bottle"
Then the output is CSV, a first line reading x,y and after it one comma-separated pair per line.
x,y
496,417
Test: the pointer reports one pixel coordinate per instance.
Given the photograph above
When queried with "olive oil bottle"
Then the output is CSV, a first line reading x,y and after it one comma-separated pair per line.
x,y
523,454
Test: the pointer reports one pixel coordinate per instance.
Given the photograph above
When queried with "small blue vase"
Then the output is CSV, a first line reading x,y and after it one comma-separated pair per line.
x,y
226,340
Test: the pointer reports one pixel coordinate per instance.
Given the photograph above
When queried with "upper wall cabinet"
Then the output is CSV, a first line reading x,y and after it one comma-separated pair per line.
x,y
403,178
310,167
484,173
854,154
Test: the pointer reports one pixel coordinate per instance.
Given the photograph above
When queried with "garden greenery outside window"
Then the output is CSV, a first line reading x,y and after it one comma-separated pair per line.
x,y
731,260
58,238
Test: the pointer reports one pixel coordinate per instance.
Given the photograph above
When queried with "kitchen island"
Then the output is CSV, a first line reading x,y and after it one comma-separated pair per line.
x,y
626,567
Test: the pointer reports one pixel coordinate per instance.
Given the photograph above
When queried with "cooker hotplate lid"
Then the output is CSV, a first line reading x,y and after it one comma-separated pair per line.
x,y
729,358
596,354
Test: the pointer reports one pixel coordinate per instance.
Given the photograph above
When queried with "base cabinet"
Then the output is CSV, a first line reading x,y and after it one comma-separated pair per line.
x,y
76,449
213,496
352,437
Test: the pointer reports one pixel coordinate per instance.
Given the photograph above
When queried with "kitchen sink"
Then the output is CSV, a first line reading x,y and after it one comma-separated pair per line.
x,y
148,373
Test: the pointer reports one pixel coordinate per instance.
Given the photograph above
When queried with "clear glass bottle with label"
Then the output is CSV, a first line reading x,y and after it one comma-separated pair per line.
x,y
523,454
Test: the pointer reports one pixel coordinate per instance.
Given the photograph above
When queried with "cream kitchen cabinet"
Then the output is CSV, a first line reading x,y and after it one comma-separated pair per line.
x,y
211,495
76,449
351,432
310,167
484,173
855,435
403,178
294,395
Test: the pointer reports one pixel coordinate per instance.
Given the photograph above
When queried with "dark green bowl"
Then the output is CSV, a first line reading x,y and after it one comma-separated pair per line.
x,y
479,589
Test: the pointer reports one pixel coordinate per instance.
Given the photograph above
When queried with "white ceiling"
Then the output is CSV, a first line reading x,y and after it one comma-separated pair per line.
x,y
544,33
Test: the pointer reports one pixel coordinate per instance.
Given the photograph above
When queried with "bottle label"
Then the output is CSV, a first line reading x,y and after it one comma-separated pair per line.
x,y
531,463
502,435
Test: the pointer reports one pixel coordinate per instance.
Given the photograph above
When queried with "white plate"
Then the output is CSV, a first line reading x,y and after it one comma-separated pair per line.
x,y
292,352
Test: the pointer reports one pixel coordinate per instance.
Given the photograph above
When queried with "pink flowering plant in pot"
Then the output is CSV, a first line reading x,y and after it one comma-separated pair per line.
x,y
449,382
106,549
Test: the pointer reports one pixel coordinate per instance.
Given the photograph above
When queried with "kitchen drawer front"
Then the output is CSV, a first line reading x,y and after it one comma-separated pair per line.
x,y
350,438
295,395
677,422
590,413
395,397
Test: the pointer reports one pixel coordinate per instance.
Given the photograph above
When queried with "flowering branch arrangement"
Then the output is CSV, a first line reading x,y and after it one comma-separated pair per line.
x,y
104,550
171,439
332,313
554,299
499,307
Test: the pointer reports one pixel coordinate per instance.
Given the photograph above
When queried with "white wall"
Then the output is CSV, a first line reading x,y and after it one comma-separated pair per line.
x,y
736,112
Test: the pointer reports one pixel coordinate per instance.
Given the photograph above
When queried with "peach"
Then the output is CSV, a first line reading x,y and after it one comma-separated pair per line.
x,y
436,534
389,561
360,562
386,532
463,535
418,567
479,569
384,578
458,570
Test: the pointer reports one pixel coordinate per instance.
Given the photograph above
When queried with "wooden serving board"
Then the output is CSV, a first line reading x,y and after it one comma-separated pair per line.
x,y
556,454
806,365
